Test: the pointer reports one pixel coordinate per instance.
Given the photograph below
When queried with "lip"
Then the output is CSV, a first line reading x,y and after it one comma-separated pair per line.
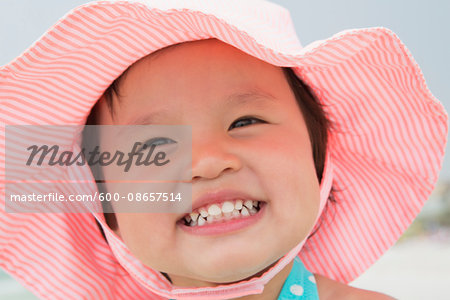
x,y
219,197
225,226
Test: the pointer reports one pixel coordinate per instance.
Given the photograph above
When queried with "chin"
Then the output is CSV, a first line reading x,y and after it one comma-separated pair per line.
x,y
231,270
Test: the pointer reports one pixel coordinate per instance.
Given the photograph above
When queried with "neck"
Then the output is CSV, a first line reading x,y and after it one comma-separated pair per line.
x,y
271,290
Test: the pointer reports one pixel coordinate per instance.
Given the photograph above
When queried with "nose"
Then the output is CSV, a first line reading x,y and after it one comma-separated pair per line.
x,y
212,156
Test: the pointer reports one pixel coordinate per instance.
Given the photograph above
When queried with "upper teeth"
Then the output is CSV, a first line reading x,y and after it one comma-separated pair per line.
x,y
227,210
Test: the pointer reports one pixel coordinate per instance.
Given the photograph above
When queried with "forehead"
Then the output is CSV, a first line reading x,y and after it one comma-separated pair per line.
x,y
206,74
208,62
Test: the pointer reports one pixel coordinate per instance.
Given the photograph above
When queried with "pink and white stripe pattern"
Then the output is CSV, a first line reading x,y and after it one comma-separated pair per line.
x,y
385,150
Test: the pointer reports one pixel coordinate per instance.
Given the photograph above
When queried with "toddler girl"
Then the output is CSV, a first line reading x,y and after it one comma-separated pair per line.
x,y
306,164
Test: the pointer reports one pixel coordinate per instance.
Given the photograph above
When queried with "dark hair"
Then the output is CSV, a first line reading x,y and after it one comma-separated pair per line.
x,y
318,126
317,123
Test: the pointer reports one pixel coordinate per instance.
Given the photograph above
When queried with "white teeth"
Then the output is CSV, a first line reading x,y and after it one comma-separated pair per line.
x,y
214,210
244,211
203,212
194,216
238,204
227,210
248,204
227,207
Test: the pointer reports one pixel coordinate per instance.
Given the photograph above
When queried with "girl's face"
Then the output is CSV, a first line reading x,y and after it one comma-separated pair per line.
x,y
210,85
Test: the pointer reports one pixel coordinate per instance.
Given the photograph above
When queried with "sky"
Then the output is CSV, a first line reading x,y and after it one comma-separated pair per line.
x,y
423,26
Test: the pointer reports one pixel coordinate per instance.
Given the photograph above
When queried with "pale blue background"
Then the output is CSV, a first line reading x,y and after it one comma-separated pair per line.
x,y
424,26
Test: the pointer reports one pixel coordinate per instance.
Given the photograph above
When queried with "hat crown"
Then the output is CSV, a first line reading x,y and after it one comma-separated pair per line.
x,y
269,23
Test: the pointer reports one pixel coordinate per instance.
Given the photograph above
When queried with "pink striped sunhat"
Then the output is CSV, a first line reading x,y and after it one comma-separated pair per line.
x,y
383,155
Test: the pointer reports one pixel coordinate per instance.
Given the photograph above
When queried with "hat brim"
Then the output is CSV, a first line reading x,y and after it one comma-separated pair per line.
x,y
386,144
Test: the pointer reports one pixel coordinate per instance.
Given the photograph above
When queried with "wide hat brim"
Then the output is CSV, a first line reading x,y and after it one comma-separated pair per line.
x,y
385,148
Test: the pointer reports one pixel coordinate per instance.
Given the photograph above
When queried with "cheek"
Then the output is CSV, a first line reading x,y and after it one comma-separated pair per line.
x,y
295,202
283,157
287,173
295,193
147,235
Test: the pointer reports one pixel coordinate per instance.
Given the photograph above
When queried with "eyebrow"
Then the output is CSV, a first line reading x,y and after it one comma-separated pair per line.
x,y
149,119
254,97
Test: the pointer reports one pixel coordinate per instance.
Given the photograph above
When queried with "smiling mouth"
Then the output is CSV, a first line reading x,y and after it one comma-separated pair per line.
x,y
221,212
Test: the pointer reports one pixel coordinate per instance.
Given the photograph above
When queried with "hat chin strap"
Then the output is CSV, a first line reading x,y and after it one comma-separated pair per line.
x,y
157,283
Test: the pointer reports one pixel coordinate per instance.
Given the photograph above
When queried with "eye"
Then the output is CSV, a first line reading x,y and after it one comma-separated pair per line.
x,y
246,121
158,141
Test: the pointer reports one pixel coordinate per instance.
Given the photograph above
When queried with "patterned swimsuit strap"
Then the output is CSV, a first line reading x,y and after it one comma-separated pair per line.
x,y
300,284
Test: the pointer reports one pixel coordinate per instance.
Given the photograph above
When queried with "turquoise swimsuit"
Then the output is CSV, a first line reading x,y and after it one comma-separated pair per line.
x,y
300,284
